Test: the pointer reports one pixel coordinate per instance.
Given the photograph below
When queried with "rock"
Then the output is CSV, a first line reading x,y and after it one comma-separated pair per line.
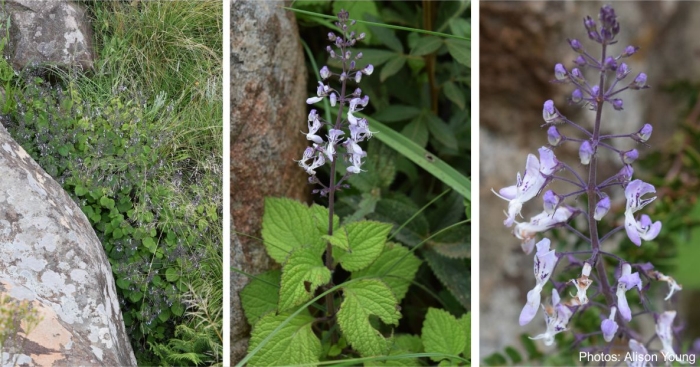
x,y
51,258
268,94
49,32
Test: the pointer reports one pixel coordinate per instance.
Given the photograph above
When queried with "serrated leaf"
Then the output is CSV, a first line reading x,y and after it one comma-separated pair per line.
x,y
363,242
454,243
392,67
294,344
288,225
396,266
442,333
417,131
459,49
408,342
171,274
261,295
454,94
399,209
361,300
442,132
394,113
466,325
426,45
320,216
303,272
453,273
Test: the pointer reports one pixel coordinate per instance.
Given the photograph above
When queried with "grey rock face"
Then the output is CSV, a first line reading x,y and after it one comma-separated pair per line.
x,y
51,257
49,32
268,82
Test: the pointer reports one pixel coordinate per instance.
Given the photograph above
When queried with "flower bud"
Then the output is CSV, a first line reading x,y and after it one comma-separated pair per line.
x,y
553,136
361,36
629,51
589,23
343,76
368,69
594,91
577,76
625,173
585,153
333,99
617,104
630,156
560,73
331,52
325,73
352,65
357,92
331,36
550,114
602,207
348,54
576,45
609,326
358,56
551,201
640,82
576,96
580,61
644,133
610,63
358,76
622,71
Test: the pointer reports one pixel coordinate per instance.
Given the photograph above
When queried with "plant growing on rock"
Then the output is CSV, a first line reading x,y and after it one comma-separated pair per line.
x,y
610,278
338,292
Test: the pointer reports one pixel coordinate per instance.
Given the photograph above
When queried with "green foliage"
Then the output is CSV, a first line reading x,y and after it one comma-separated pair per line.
x,y
443,333
137,144
294,344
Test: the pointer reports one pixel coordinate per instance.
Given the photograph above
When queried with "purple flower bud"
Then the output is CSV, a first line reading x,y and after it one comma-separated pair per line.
x,y
625,173
617,104
348,54
560,73
331,36
358,77
339,42
553,136
331,52
580,61
343,76
358,56
593,35
325,73
550,114
589,23
622,71
361,36
352,65
609,326
368,69
602,207
585,152
640,82
551,201
644,133
594,91
576,96
333,99
576,45
353,23
630,156
357,92
577,76
629,51
610,63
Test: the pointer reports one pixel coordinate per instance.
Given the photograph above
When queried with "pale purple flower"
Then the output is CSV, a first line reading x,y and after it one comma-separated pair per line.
x,y
367,70
333,99
545,260
609,326
324,72
524,189
664,322
644,133
358,76
550,113
560,73
602,207
356,104
550,201
640,355
553,136
622,71
640,82
556,317
630,156
576,96
643,229
314,123
585,152
548,161
627,281
527,231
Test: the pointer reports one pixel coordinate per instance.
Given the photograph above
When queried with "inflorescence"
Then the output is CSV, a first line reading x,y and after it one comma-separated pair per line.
x,y
610,297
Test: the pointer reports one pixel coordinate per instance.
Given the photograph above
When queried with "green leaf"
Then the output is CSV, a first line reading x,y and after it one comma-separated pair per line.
x,y
178,309
303,272
466,325
320,216
107,202
394,113
426,45
442,132
364,207
392,67
261,295
396,266
293,344
442,333
455,243
363,299
171,275
373,56
380,168
454,94
459,50
514,355
363,241
460,27
386,36
288,225
399,209
150,244
417,132
453,273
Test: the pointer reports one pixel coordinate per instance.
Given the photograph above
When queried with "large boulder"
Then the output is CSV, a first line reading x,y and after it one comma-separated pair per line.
x,y
51,259
268,83
49,32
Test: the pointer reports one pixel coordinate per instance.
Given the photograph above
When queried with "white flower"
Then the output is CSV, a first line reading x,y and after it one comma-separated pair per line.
x,y
582,285
557,317
663,329
524,189
643,229
640,355
314,124
545,260
627,281
609,326
526,231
